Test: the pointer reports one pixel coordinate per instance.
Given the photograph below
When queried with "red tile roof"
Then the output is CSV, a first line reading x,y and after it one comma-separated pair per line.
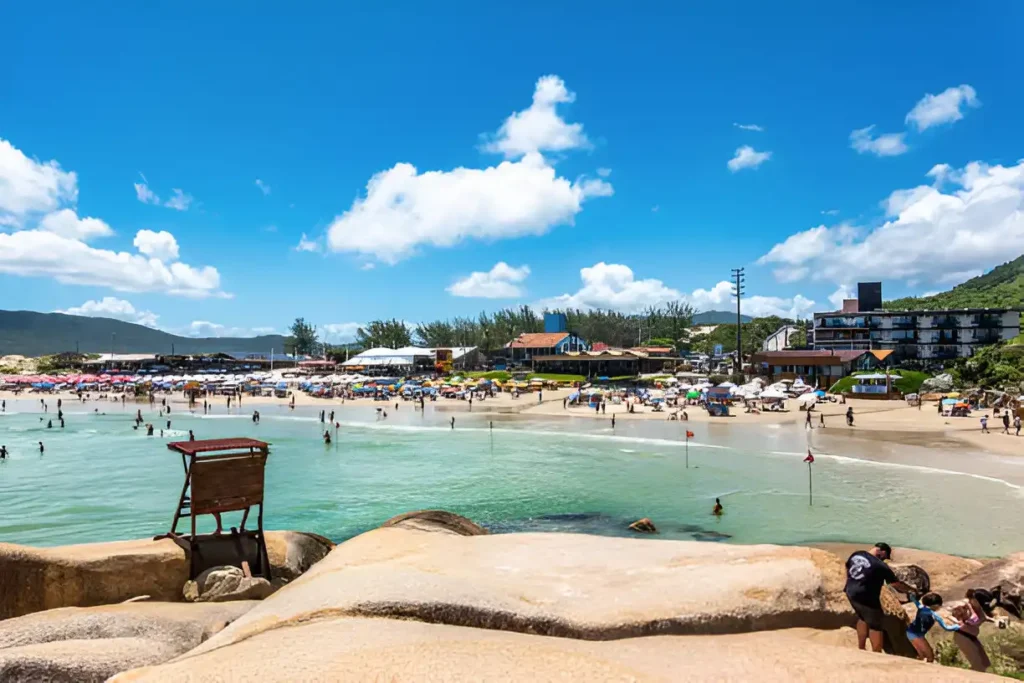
x,y
537,340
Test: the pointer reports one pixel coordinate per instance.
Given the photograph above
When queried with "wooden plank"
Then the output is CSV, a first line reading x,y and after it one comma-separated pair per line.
x,y
226,485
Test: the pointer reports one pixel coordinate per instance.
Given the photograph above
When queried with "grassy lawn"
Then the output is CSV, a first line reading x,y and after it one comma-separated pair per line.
x,y
909,381
555,377
499,375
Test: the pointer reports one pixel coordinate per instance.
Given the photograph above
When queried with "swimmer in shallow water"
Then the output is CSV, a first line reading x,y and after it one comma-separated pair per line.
x,y
718,508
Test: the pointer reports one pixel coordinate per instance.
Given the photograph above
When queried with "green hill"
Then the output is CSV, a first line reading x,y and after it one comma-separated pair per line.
x,y
1002,287
28,333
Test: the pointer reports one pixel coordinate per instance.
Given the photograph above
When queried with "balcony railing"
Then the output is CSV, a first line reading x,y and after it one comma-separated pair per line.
x,y
944,321
987,321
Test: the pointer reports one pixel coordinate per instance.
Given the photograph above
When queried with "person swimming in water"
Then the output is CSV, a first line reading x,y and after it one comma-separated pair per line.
x,y
327,438
718,508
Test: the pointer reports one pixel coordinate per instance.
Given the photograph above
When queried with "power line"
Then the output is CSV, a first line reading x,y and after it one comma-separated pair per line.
x,y
738,291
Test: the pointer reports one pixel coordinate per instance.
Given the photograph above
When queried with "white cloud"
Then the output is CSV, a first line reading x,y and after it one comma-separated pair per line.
x,y
929,234
750,126
306,244
843,292
144,194
747,157
539,128
830,212
112,307
180,201
70,261
29,186
339,333
369,265
404,208
50,240
264,188
604,172
66,223
946,107
886,145
614,286
500,282
159,245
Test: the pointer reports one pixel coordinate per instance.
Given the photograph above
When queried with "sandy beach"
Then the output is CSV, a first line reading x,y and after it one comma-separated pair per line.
x,y
892,422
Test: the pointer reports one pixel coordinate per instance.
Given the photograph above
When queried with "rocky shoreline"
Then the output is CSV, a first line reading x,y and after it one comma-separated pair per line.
x,y
431,595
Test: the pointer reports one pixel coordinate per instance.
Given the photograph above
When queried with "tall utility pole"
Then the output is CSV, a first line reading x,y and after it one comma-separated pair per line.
x,y
737,291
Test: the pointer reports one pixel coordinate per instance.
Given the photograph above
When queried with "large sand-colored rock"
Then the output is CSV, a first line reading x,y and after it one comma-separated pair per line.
x,y
36,579
93,643
570,585
353,649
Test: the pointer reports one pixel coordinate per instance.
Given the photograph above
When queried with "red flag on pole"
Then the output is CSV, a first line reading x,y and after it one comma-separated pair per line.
x,y
689,434
810,457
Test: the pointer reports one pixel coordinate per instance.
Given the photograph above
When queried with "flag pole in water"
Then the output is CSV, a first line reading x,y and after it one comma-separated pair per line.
x,y
810,478
689,434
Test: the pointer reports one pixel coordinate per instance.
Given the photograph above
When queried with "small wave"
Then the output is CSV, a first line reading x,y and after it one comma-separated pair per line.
x,y
904,466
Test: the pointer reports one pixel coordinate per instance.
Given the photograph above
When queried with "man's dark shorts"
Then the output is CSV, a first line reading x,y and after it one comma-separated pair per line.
x,y
872,616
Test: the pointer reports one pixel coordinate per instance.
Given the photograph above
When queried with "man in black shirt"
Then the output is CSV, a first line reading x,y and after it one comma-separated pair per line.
x,y
866,571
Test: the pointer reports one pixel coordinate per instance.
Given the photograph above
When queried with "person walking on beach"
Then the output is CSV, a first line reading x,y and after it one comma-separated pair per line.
x,y
923,622
41,448
1006,422
849,416
1016,424
613,420
453,422
540,396
866,572
984,424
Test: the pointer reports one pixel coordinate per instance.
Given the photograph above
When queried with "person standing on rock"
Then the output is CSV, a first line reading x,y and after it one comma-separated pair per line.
x,y
866,572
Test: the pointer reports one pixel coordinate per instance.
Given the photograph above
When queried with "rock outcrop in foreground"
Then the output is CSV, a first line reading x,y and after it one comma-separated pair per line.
x,y
36,579
433,597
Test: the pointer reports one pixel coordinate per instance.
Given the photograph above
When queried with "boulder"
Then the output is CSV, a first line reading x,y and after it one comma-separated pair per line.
x,y
36,579
94,643
436,520
569,585
344,648
939,384
1007,574
943,570
913,576
224,584
643,526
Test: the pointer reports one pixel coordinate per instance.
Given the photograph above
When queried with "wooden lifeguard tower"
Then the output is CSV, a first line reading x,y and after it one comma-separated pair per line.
x,y
222,475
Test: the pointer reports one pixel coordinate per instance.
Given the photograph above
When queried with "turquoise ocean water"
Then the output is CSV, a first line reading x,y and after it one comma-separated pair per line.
x,y
101,480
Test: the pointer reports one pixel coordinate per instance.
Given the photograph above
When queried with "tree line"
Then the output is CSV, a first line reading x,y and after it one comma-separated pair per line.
x,y
669,325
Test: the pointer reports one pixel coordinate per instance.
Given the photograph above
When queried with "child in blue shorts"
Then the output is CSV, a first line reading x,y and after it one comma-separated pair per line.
x,y
923,622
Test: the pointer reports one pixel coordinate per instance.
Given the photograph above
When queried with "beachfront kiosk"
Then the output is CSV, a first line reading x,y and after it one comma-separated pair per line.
x,y
222,475
875,385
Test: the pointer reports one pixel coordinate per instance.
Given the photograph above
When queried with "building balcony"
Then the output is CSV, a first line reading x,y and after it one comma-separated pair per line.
x,y
987,321
944,321
904,323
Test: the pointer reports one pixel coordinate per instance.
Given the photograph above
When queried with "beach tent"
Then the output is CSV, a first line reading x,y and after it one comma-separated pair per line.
x,y
808,399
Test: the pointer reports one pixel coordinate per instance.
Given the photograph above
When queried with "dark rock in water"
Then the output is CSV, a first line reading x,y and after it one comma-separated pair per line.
x,y
912,575
437,520
711,536
643,526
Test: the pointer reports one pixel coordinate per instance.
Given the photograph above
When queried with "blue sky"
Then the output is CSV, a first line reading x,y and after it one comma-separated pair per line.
x,y
610,186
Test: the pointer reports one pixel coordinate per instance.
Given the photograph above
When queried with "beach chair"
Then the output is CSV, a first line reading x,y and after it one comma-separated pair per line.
x,y
222,475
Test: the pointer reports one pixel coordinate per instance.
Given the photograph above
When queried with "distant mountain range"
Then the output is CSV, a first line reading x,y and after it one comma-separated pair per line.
x,y
1001,287
28,333
718,318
